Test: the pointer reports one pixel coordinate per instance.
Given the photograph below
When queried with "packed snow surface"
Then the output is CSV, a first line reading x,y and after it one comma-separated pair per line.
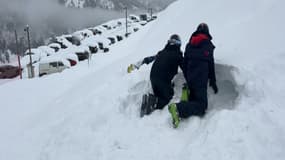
x,y
91,112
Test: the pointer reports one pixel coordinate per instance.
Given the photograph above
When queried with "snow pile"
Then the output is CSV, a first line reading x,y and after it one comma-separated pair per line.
x,y
91,111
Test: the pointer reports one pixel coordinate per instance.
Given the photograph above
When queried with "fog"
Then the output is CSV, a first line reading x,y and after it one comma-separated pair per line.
x,y
47,17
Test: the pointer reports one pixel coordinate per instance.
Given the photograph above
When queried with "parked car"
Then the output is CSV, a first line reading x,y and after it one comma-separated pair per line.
x,y
49,66
143,17
103,43
107,26
112,39
134,18
49,51
135,27
92,44
119,37
55,46
68,54
82,52
82,34
95,31
122,22
75,40
143,22
112,24
9,71
36,55
154,17
64,41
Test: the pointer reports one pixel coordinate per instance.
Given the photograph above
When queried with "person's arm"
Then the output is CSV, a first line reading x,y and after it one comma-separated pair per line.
x,y
212,74
148,60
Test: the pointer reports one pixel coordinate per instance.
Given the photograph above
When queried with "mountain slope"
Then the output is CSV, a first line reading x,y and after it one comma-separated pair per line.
x,y
118,4
92,112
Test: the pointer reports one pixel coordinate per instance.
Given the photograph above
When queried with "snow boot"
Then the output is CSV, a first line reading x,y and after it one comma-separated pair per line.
x,y
149,102
144,105
152,101
172,108
185,93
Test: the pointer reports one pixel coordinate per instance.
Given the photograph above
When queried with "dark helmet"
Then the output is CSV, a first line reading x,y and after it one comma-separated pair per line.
x,y
203,28
174,40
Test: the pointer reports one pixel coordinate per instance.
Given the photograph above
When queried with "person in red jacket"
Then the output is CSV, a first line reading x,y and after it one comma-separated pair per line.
x,y
199,69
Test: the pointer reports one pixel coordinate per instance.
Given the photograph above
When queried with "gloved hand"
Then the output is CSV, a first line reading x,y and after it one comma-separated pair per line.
x,y
214,87
131,67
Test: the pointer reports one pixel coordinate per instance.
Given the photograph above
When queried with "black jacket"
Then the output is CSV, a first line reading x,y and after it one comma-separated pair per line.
x,y
199,61
166,63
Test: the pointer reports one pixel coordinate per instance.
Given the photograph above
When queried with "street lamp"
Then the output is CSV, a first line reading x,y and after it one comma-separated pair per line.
x,y
126,21
17,50
27,29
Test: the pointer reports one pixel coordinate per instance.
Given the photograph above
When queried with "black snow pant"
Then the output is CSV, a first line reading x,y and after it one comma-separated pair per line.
x,y
163,91
196,105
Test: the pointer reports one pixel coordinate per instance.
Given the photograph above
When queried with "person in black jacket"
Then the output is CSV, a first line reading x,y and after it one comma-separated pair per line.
x,y
163,70
199,70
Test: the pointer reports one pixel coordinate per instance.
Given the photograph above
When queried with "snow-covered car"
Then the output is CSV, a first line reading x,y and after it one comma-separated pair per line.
x,y
82,52
108,27
143,17
51,65
95,31
134,18
82,34
122,22
70,55
62,41
154,17
100,30
49,51
112,39
92,44
135,27
119,37
54,46
143,23
73,39
110,24
103,43
36,55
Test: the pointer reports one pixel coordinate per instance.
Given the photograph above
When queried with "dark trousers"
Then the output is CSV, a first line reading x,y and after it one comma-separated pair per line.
x,y
197,104
163,91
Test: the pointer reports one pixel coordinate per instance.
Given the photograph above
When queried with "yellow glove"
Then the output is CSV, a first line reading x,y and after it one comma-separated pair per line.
x,y
131,67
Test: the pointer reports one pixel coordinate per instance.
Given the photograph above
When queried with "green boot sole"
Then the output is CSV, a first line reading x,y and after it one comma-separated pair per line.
x,y
172,108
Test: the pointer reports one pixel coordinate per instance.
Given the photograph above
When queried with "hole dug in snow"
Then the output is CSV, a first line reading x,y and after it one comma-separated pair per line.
x,y
228,89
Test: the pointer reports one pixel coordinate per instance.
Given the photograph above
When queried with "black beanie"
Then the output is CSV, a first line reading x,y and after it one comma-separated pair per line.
x,y
203,28
174,40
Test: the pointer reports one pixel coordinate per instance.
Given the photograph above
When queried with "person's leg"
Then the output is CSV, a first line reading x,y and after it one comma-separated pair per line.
x,y
166,94
163,91
197,104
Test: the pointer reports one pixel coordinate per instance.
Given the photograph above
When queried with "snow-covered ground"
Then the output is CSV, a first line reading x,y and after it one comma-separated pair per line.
x,y
92,111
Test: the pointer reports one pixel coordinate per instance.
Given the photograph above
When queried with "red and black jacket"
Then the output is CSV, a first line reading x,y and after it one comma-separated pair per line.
x,y
199,60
